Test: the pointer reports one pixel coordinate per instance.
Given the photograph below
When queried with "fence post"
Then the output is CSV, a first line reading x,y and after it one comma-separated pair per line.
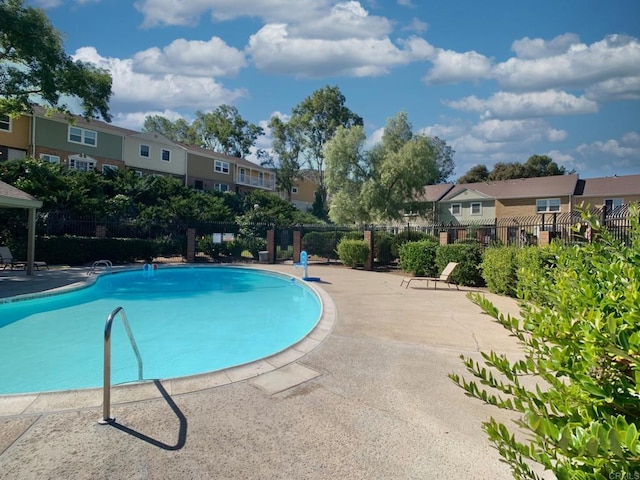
x,y
271,246
297,245
444,238
101,231
369,239
191,245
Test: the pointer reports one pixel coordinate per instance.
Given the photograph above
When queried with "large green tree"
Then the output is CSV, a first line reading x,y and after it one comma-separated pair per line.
x,y
286,146
380,183
225,131
535,166
316,119
35,69
178,131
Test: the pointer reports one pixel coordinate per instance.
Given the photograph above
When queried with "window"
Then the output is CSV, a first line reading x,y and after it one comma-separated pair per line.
x,y
294,190
220,166
166,155
613,203
137,173
260,179
198,185
84,136
5,123
476,208
221,187
144,151
241,175
456,208
82,165
109,168
50,158
548,205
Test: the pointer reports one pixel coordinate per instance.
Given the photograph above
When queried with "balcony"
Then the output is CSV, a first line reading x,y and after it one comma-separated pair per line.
x,y
255,181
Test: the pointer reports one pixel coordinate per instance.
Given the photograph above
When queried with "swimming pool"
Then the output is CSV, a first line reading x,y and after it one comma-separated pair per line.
x,y
186,320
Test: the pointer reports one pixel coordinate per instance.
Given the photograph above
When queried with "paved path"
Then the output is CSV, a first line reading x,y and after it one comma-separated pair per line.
x,y
370,401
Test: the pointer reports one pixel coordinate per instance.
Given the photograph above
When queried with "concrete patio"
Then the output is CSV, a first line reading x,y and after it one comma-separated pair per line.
x,y
366,396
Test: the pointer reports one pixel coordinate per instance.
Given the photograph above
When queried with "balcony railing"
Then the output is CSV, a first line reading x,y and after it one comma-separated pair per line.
x,y
265,183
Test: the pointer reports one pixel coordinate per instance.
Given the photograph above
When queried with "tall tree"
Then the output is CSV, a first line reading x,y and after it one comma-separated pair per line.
x,y
381,183
287,146
225,131
178,131
542,166
506,171
476,174
33,63
316,120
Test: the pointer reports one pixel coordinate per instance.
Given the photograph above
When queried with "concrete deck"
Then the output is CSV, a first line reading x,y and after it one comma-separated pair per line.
x,y
365,396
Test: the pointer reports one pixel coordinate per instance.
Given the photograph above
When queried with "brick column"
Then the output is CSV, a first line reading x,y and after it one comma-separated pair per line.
x,y
544,239
368,238
271,246
297,245
101,231
191,245
444,238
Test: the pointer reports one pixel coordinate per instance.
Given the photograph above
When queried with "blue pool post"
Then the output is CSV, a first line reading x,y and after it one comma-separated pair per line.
x,y
304,264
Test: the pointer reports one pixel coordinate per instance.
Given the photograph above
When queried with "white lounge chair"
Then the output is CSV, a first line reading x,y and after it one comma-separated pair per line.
x,y
444,277
7,260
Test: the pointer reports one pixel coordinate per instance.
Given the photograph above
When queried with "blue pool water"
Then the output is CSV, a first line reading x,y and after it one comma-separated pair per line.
x,y
185,321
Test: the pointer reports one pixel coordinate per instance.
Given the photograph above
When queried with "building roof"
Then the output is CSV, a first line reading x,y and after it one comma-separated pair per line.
x,y
610,186
12,197
557,185
80,121
433,193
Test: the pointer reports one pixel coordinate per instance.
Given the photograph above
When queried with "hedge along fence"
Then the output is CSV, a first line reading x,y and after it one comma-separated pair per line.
x,y
468,256
325,244
353,252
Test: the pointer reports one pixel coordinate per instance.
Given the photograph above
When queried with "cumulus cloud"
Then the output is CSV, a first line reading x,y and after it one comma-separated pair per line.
x,y
135,120
454,67
616,56
526,105
416,25
182,13
516,131
211,58
615,89
133,91
272,49
530,49
619,156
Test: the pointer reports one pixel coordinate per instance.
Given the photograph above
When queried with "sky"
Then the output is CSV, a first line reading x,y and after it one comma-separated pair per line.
x,y
498,80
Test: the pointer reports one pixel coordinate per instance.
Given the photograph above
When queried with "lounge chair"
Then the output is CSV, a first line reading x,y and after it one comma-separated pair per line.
x,y
444,277
7,260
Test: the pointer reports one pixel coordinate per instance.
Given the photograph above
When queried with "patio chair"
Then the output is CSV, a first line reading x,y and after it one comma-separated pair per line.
x,y
7,260
444,277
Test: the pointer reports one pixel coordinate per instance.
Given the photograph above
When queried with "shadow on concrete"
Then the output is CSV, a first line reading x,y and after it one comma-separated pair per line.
x,y
182,430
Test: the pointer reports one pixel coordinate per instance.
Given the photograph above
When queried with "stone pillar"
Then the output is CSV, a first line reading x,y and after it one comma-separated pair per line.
x,y
191,245
101,231
444,238
271,246
297,245
368,238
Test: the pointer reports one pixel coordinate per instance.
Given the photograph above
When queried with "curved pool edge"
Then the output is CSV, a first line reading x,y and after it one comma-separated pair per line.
x,y
70,400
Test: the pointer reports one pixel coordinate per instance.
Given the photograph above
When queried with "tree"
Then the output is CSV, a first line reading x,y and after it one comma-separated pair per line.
x,y
287,145
225,131
379,184
176,131
577,390
33,64
542,166
506,171
316,120
476,174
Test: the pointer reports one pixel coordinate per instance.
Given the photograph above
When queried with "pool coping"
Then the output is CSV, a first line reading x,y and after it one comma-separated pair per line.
x,y
65,400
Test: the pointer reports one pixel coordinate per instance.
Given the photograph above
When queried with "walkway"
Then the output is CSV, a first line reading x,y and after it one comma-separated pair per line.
x,y
370,401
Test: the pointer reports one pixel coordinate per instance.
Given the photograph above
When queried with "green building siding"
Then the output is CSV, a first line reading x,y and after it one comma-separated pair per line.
x,y
52,134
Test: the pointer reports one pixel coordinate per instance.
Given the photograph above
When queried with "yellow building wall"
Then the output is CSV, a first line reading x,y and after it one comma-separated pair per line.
x,y
598,202
526,207
19,136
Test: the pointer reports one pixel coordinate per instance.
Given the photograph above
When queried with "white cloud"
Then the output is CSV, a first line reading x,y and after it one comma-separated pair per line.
x,y
135,120
406,3
133,91
533,130
528,48
618,156
416,25
272,49
631,138
454,67
616,56
212,58
525,105
445,131
615,89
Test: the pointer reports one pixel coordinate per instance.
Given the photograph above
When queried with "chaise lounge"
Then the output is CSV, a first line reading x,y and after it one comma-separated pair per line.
x,y
444,277
7,260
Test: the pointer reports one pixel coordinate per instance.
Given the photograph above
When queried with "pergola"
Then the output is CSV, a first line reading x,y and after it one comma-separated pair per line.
x,y
12,197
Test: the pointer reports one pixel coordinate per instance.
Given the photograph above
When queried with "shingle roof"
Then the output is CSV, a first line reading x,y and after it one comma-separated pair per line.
x,y
433,193
14,197
611,186
557,185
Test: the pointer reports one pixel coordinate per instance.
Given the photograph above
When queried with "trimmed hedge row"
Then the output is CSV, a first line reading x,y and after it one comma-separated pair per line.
x,y
353,252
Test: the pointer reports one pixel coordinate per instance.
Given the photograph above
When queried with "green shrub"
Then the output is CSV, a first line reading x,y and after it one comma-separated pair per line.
x,y
499,270
83,250
469,258
418,258
353,252
206,245
321,244
576,392
249,243
384,247
533,264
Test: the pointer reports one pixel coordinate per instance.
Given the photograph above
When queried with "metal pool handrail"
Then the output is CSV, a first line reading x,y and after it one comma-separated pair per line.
x,y
106,389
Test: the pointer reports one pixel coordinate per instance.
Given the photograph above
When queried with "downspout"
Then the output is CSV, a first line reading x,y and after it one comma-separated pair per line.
x,y
33,135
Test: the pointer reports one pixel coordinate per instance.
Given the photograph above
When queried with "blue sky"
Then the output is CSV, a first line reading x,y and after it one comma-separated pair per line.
x,y
499,80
